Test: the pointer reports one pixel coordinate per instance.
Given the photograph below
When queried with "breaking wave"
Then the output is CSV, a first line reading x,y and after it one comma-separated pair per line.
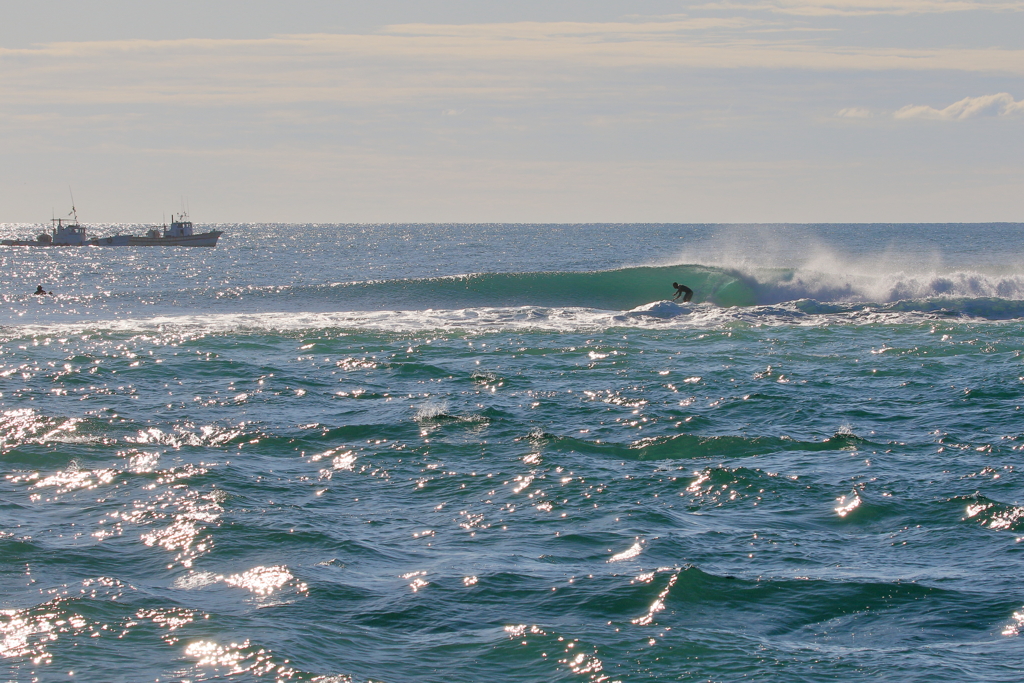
x,y
625,289
635,296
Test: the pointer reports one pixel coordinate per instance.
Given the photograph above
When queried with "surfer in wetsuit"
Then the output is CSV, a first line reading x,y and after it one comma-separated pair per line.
x,y
682,291
40,291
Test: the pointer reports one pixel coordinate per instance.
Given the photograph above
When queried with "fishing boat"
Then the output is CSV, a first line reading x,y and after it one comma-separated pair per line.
x,y
179,234
64,233
67,232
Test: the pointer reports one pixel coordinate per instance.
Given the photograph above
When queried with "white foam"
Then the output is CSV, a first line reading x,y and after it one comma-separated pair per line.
x,y
431,410
883,287
908,267
194,580
656,309
658,315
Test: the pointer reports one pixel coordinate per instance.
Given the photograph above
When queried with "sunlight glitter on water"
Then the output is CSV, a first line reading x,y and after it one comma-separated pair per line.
x,y
659,602
628,554
847,504
263,580
26,425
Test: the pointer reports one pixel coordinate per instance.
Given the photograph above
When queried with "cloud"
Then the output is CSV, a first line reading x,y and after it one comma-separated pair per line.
x,y
1000,104
818,8
447,67
548,30
854,113
425,63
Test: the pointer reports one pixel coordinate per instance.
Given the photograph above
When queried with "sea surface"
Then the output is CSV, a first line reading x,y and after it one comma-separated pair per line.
x,y
447,453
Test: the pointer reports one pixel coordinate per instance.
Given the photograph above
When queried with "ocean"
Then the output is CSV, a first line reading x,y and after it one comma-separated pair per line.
x,y
419,453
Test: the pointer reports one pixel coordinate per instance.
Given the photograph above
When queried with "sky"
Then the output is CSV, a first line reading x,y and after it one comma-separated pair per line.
x,y
332,111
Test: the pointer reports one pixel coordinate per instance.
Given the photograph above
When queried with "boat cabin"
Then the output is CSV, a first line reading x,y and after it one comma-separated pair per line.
x,y
71,234
182,227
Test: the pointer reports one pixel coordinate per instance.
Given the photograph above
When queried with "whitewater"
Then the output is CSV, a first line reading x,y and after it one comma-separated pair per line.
x,y
393,453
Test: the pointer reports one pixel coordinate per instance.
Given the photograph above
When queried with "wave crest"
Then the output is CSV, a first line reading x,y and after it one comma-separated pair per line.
x,y
629,289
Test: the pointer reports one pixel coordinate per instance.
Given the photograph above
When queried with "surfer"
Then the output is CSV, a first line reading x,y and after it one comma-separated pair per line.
x,y
682,291
40,291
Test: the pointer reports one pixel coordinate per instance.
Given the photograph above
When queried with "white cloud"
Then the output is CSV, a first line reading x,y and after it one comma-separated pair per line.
x,y
813,8
854,113
1000,104
427,63
547,30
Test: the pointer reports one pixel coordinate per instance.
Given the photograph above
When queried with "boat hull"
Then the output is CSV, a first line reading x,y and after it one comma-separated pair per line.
x,y
114,241
37,243
28,243
205,239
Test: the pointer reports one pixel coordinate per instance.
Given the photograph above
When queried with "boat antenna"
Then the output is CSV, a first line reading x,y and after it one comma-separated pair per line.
x,y
73,211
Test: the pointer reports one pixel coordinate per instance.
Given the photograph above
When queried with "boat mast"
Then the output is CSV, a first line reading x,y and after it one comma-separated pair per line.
x,y
74,212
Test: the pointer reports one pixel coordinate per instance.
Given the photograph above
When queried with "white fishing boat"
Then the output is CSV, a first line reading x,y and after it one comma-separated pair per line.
x,y
179,234
64,233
